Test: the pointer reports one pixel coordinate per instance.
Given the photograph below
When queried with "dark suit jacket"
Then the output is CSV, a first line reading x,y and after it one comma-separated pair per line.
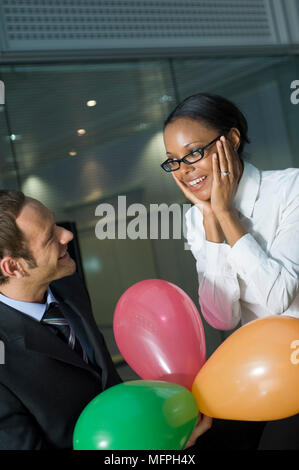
x,y
44,385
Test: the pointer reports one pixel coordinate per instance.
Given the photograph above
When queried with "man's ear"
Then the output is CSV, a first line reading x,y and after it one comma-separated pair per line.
x,y
12,267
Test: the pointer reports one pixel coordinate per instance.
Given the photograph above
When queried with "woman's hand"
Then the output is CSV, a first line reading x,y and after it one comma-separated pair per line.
x,y
212,227
204,206
224,187
202,425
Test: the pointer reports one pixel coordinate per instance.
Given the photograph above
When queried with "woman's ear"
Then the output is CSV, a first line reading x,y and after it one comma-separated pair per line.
x,y
234,137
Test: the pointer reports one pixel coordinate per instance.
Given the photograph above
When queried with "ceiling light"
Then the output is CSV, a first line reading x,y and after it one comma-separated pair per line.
x,y
91,103
15,137
81,131
142,126
72,153
165,98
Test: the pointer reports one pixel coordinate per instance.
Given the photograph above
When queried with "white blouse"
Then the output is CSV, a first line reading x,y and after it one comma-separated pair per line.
x,y
259,275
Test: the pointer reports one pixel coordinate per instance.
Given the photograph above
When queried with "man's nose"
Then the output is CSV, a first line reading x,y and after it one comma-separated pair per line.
x,y
65,236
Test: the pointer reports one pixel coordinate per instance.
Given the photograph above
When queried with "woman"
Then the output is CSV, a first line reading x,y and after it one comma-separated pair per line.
x,y
243,229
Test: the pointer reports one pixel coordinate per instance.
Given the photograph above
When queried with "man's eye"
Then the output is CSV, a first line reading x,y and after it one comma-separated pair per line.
x,y
196,152
51,239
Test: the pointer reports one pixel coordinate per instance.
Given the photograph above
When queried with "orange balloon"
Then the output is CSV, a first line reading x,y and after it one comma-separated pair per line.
x,y
254,374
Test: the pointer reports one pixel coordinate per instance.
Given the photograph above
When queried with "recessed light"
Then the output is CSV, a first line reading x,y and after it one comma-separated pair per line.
x,y
81,131
72,153
14,137
165,98
91,103
142,125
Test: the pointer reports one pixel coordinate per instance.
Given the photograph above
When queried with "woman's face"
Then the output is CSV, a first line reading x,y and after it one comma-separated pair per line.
x,y
181,137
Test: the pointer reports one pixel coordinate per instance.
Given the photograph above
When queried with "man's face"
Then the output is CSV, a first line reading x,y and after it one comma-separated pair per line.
x,y
47,243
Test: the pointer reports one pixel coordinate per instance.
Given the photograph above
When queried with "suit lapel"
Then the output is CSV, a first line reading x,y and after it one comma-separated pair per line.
x,y
94,337
74,296
75,321
37,337
70,292
77,311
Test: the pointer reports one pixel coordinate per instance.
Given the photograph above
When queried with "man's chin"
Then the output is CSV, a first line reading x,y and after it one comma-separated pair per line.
x,y
72,267
66,270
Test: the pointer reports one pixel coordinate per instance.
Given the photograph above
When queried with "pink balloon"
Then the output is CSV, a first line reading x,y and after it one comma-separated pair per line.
x,y
159,332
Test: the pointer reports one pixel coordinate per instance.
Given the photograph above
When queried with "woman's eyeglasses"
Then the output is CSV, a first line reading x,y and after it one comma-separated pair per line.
x,y
173,164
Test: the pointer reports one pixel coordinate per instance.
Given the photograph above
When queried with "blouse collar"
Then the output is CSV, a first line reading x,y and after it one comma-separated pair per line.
x,y
248,189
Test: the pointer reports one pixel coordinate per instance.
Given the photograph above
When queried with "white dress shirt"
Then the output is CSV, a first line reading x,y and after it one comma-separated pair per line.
x,y
33,309
259,275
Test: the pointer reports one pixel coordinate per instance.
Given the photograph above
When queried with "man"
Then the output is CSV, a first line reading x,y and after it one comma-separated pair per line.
x,y
48,377
44,383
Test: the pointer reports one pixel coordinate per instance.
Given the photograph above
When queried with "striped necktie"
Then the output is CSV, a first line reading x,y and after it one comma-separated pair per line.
x,y
54,318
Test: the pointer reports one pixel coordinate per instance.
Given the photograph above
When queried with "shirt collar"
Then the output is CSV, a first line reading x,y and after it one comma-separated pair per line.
x,y
33,309
248,189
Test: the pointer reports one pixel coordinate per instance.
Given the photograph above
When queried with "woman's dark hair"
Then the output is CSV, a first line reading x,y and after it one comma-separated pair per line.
x,y
213,111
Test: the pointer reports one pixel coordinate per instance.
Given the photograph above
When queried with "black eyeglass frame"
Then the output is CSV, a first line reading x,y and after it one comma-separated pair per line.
x,y
183,159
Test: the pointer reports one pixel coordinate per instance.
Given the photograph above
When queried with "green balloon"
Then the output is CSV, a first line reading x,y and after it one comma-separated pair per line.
x,y
135,415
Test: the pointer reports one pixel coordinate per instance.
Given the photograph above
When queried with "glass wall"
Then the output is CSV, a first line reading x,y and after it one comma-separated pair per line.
x,y
79,135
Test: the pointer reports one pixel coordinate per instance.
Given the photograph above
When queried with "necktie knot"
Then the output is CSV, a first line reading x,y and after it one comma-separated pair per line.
x,y
54,316
58,323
